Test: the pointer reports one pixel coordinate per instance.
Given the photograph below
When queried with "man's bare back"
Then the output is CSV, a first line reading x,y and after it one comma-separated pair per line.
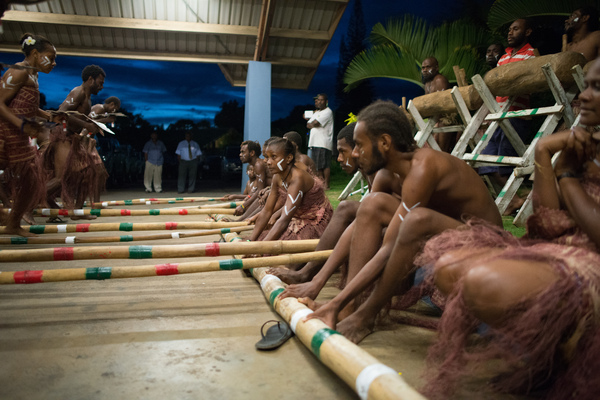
x,y
589,46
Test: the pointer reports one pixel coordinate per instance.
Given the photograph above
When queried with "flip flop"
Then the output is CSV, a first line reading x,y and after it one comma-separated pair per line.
x,y
276,336
54,220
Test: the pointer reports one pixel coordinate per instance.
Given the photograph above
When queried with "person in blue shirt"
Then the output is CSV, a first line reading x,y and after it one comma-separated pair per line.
x,y
153,153
188,153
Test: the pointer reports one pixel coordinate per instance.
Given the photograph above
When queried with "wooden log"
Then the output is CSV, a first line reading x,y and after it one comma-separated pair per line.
x,y
442,103
526,77
171,251
130,226
151,200
122,238
115,212
523,77
101,273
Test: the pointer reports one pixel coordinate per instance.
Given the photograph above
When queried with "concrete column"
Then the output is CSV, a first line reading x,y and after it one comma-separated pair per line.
x,y
257,114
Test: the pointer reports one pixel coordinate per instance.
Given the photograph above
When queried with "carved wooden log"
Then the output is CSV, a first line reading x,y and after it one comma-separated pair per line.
x,y
525,77
442,103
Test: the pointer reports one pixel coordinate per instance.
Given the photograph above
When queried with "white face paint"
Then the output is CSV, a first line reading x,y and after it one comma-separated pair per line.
x,y
279,165
45,60
347,163
576,19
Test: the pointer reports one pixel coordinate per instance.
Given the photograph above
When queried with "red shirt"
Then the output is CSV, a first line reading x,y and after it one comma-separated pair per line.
x,y
525,52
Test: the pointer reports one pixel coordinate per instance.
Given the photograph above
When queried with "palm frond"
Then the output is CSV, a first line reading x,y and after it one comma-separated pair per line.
x,y
504,12
461,43
383,61
411,35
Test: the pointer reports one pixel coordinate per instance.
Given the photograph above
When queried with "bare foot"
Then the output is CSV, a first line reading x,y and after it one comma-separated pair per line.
x,y
18,231
288,276
355,329
28,217
325,312
78,217
514,205
303,290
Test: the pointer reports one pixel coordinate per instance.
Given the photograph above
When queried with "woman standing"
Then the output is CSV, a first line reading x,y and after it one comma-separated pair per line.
x,y
19,104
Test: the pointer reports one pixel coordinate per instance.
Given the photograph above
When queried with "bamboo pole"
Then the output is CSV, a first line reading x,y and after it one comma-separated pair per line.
x,y
122,238
129,226
114,213
361,371
101,273
170,251
151,200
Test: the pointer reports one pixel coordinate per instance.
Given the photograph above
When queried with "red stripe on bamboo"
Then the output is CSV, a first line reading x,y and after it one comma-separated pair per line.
x,y
82,228
171,225
183,212
125,212
167,269
212,250
63,212
63,253
28,276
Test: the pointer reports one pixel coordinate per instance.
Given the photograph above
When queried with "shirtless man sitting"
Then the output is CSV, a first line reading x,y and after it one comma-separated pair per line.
x,y
438,192
583,32
250,154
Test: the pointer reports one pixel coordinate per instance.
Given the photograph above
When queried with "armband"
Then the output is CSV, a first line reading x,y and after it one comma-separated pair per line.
x,y
567,174
242,206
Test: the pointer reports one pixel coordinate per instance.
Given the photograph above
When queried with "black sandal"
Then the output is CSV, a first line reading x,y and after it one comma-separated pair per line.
x,y
276,336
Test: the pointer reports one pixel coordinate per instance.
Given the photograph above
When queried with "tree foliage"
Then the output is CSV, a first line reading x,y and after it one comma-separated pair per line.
x,y
399,47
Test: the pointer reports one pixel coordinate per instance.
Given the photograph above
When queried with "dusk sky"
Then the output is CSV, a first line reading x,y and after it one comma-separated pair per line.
x,y
164,92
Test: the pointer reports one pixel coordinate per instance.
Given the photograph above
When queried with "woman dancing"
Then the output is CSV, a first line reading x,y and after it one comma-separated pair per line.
x,y
540,296
306,209
19,104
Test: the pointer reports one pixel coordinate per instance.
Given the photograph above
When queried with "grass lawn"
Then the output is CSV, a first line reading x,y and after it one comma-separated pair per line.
x,y
339,180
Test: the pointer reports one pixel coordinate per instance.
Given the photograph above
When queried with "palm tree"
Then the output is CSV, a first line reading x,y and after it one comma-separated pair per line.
x,y
399,48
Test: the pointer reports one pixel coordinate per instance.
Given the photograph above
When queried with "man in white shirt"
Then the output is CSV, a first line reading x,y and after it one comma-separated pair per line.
x,y
188,153
321,137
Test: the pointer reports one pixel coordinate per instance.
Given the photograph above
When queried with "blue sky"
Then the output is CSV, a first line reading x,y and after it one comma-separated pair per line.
x,y
158,92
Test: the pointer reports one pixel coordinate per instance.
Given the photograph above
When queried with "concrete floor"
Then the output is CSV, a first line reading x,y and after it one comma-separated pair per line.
x,y
176,337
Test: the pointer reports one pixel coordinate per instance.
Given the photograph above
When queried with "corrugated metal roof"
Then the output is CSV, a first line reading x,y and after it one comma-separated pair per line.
x,y
293,35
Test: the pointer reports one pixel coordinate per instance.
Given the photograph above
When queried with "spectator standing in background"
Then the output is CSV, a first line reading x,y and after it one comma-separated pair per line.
x,y
188,153
153,153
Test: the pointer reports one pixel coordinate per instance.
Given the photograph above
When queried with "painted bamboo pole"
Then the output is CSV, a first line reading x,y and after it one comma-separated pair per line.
x,y
114,212
361,371
231,204
170,251
122,238
101,273
152,200
130,226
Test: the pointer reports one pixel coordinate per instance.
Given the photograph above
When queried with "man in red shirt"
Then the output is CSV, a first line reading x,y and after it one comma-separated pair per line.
x,y
518,49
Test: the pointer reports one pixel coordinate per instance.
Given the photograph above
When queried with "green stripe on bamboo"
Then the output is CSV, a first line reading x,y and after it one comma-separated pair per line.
x,y
38,229
136,271
274,295
122,238
318,339
502,193
231,264
164,251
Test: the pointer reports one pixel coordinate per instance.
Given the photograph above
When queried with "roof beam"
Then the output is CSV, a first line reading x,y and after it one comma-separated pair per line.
x,y
166,56
155,25
264,27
